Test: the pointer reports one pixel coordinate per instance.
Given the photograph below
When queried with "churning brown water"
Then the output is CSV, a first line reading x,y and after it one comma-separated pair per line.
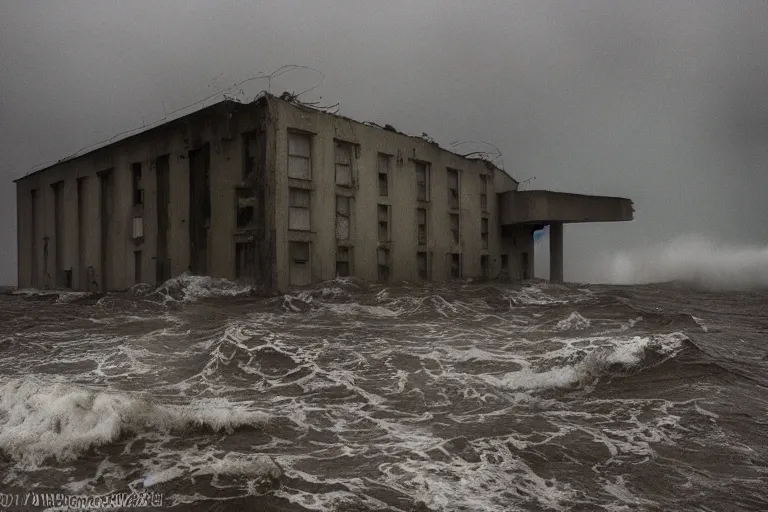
x,y
355,397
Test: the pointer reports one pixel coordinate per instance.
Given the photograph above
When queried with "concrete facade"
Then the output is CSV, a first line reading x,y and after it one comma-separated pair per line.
x,y
271,192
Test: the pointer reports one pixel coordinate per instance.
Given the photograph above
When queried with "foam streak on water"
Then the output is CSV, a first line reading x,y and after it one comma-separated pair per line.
x,y
353,397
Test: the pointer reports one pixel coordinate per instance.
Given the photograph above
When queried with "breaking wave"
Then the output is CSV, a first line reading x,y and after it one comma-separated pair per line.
x,y
41,419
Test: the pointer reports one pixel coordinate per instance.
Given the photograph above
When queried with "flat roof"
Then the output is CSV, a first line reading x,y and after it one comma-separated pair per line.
x,y
169,120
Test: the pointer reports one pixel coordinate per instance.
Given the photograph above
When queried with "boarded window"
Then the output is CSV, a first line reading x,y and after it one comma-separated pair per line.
x,y
246,207
483,192
455,266
383,211
422,265
384,164
343,261
298,211
454,223
299,156
422,181
343,215
138,187
382,257
484,271
245,257
421,225
138,227
484,232
343,159
453,189
300,267
137,267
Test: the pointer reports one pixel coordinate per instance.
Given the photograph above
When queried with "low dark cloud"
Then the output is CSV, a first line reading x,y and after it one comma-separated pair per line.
x,y
663,102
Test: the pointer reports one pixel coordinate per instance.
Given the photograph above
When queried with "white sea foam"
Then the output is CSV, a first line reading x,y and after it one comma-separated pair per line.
x,y
189,288
574,322
41,419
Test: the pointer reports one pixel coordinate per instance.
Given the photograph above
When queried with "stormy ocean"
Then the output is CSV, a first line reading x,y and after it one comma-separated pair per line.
x,y
356,397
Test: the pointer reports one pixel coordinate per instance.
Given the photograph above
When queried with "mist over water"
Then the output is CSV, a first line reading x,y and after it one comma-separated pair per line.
x,y
694,259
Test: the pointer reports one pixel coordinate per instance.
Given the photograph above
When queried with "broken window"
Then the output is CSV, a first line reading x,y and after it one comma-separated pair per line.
x,y
299,156
453,189
138,188
384,166
484,266
422,265
246,207
342,217
245,258
300,268
422,181
382,257
484,232
343,261
137,267
343,157
483,192
383,223
421,225
298,211
138,227
455,266
454,223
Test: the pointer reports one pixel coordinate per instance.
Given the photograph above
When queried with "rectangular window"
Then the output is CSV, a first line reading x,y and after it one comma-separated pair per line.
x,y
421,225
298,211
255,148
138,188
383,223
505,263
343,261
138,227
299,156
483,192
484,271
422,265
245,257
384,164
382,257
300,268
454,223
343,160
137,267
525,265
455,266
422,181
343,216
453,189
484,232
246,203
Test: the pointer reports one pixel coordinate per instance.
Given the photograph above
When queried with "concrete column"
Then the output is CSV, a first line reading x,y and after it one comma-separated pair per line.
x,y
556,252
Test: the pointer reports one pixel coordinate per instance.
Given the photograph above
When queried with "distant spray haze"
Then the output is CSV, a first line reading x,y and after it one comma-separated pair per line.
x,y
693,259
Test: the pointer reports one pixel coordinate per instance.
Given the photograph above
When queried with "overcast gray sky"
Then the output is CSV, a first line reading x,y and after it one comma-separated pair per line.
x,y
665,102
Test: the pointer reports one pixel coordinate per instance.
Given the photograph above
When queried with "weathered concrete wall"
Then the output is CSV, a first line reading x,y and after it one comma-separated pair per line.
x,y
220,126
542,207
369,142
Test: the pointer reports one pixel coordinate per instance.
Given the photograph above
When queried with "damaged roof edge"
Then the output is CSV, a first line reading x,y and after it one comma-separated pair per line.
x,y
164,123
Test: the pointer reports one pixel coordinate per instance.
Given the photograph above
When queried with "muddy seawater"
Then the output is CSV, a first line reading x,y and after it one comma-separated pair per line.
x,y
357,397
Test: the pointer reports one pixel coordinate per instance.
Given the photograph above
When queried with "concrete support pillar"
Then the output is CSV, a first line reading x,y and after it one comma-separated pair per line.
x,y
556,252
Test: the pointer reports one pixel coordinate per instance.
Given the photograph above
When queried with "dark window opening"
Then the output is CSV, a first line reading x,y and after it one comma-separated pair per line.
x,y
384,167
455,266
382,257
246,207
422,265
484,232
383,223
421,222
505,263
454,223
525,264
483,192
244,259
138,187
137,267
343,260
422,181
453,189
484,266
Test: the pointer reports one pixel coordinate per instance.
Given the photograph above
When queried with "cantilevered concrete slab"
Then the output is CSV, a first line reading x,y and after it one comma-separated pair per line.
x,y
542,207
546,207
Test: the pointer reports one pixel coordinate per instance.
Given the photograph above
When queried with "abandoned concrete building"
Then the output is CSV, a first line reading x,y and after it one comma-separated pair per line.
x,y
283,195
